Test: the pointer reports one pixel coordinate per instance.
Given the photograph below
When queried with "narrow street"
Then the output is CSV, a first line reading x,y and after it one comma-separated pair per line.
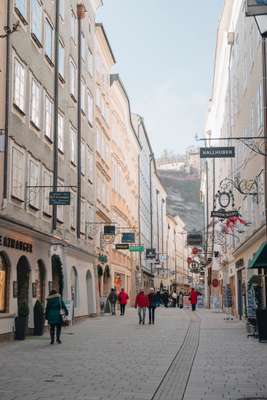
x,y
184,356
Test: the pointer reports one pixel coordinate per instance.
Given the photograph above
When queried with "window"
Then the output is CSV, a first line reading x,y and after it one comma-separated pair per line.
x,y
90,62
21,8
74,287
35,102
61,133
90,164
90,218
47,182
48,121
37,21
73,146
73,71
83,156
260,107
73,26
19,84
3,284
90,108
83,222
83,55
62,8
48,40
18,169
73,211
34,181
83,95
61,63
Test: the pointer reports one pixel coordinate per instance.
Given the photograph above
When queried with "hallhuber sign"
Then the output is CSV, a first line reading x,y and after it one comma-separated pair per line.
x,y
217,152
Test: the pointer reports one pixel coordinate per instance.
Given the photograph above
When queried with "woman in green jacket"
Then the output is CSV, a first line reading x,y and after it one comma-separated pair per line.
x,y
53,314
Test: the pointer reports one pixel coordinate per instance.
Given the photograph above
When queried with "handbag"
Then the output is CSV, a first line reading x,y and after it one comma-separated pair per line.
x,y
62,313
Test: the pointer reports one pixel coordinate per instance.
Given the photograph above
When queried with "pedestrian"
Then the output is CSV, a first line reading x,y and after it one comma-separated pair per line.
x,y
158,298
228,302
152,305
193,299
112,298
174,298
54,313
180,299
165,298
141,302
123,298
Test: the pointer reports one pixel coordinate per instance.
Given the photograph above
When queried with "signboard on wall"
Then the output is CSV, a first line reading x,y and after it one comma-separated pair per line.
x,y
256,7
217,152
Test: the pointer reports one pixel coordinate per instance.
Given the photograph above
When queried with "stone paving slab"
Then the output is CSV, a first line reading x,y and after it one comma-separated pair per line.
x,y
228,365
105,358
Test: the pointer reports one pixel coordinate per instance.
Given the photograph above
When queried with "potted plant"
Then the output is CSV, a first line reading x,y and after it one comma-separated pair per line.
x,y
39,318
21,321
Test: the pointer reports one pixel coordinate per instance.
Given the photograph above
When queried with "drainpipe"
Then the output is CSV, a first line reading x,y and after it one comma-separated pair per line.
x,y
151,156
55,148
7,101
80,16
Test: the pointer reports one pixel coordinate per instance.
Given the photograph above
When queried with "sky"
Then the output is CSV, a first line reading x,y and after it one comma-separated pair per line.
x,y
165,55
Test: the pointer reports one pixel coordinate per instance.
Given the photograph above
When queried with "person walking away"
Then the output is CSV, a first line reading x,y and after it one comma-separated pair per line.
x,y
112,298
54,312
165,298
228,302
141,302
174,298
180,300
152,305
193,299
158,298
123,298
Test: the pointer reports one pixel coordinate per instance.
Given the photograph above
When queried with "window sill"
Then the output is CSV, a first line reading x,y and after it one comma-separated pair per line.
x,y
73,98
5,315
34,208
48,139
17,198
61,152
61,78
19,109
36,40
50,62
46,214
21,16
73,164
35,126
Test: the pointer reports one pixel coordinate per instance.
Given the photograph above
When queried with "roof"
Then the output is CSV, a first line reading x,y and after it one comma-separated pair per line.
x,y
101,27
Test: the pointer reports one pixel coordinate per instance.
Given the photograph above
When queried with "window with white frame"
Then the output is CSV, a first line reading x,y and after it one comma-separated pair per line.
x,y
90,62
62,8
73,210
83,47
90,219
61,132
61,59
83,215
34,182
18,171
47,182
60,209
48,40
19,84
83,157
36,26
83,94
90,165
73,73
21,7
48,118
35,102
73,22
73,146
259,107
90,107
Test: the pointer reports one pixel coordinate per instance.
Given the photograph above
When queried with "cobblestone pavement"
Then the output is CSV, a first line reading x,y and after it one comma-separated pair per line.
x,y
114,358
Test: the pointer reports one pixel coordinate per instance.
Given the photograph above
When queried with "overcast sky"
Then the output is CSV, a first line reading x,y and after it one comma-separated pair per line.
x,y
165,51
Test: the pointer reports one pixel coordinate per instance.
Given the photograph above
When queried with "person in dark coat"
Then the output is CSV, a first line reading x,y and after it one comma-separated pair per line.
x,y
55,308
152,305
158,298
165,298
180,300
112,298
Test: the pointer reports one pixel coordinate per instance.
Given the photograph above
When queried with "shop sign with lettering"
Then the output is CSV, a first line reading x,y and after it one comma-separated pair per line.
x,y
217,152
15,244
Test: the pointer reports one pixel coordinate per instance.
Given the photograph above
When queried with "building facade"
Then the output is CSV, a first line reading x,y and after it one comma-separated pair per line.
x,y
48,146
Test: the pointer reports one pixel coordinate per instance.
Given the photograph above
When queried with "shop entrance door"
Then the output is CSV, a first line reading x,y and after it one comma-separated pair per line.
x,y
57,274
239,294
23,279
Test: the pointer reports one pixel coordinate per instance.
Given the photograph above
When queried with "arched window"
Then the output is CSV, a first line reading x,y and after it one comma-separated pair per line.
x,y
74,286
3,283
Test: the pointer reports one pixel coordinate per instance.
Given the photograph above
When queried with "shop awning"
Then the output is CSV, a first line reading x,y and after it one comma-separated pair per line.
x,y
259,260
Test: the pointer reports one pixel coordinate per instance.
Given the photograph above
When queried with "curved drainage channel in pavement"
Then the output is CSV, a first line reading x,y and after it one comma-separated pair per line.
x,y
174,383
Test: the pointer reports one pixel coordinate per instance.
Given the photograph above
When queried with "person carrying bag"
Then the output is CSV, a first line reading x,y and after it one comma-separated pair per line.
x,y
55,313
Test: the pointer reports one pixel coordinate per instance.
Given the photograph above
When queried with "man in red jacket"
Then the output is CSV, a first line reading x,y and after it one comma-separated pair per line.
x,y
193,299
141,302
123,298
